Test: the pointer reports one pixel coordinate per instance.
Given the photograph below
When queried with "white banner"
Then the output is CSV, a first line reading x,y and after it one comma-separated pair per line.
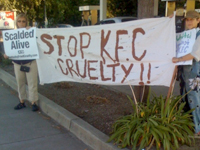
x,y
184,43
20,44
136,52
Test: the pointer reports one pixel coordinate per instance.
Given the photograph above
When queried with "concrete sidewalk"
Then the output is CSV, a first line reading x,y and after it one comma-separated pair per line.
x,y
27,130
19,134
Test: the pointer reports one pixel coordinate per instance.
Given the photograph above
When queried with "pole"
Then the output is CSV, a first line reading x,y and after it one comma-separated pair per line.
x,y
190,5
170,8
15,10
45,15
155,13
103,9
171,88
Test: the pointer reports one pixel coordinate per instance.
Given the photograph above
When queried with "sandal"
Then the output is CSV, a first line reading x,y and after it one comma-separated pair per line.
x,y
20,106
35,107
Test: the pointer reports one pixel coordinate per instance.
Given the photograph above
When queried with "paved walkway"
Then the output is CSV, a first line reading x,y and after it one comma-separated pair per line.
x,y
27,130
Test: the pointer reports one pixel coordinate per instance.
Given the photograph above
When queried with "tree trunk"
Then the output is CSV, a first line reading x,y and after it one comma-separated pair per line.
x,y
145,10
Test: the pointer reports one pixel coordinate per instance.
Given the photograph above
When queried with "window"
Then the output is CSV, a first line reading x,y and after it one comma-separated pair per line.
x,y
128,19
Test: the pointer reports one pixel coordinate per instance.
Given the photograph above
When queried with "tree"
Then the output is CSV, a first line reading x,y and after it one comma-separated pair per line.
x,y
122,8
6,5
28,7
145,8
58,11
91,2
23,6
62,11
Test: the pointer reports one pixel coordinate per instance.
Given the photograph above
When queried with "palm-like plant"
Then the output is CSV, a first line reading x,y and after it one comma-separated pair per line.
x,y
158,122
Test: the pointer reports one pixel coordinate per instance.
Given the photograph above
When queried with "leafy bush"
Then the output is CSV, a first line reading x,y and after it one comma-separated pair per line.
x,y
160,122
5,61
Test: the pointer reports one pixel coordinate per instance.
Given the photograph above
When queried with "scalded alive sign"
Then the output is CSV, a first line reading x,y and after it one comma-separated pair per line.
x,y
137,53
20,44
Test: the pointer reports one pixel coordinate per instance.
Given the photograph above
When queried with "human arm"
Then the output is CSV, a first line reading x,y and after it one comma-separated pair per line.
x,y
183,58
195,54
172,15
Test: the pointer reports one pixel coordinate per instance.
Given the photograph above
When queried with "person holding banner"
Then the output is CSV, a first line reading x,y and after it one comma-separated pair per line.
x,y
191,73
25,72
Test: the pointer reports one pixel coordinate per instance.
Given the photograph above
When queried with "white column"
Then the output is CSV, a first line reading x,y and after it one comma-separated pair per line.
x,y
15,18
103,9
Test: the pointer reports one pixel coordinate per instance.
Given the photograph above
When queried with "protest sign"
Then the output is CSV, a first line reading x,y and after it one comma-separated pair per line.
x,y
136,52
7,20
20,44
184,43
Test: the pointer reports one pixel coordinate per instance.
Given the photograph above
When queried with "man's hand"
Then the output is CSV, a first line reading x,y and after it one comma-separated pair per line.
x,y
172,15
175,59
28,27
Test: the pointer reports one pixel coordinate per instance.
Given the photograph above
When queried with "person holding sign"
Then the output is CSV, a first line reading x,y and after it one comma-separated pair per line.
x,y
26,72
191,73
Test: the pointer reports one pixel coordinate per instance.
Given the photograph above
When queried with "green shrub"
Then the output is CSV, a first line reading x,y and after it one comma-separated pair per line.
x,y
155,123
5,61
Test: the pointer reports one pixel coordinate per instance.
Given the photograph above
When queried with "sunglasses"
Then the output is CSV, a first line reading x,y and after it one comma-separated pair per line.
x,y
23,21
